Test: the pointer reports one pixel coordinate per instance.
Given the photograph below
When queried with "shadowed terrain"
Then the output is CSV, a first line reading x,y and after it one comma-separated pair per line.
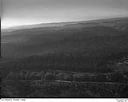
x,y
98,46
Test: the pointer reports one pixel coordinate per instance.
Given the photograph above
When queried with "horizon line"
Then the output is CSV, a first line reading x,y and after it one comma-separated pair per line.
x,y
57,22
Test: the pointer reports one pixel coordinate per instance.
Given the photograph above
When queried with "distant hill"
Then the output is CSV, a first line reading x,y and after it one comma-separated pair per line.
x,y
59,24
85,46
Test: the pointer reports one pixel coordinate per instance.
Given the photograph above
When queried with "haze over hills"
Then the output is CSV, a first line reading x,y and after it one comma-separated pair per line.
x,y
57,36
59,24
88,44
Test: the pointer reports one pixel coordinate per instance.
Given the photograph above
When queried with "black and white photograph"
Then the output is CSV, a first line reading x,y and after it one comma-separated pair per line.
x,y
64,49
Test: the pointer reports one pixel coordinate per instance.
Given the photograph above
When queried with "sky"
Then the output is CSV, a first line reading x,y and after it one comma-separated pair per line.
x,y
27,12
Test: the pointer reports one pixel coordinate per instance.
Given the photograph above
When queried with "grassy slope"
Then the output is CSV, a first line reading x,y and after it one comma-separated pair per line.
x,y
76,47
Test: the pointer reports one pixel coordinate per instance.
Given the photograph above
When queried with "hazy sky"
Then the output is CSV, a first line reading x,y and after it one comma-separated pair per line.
x,y
25,12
